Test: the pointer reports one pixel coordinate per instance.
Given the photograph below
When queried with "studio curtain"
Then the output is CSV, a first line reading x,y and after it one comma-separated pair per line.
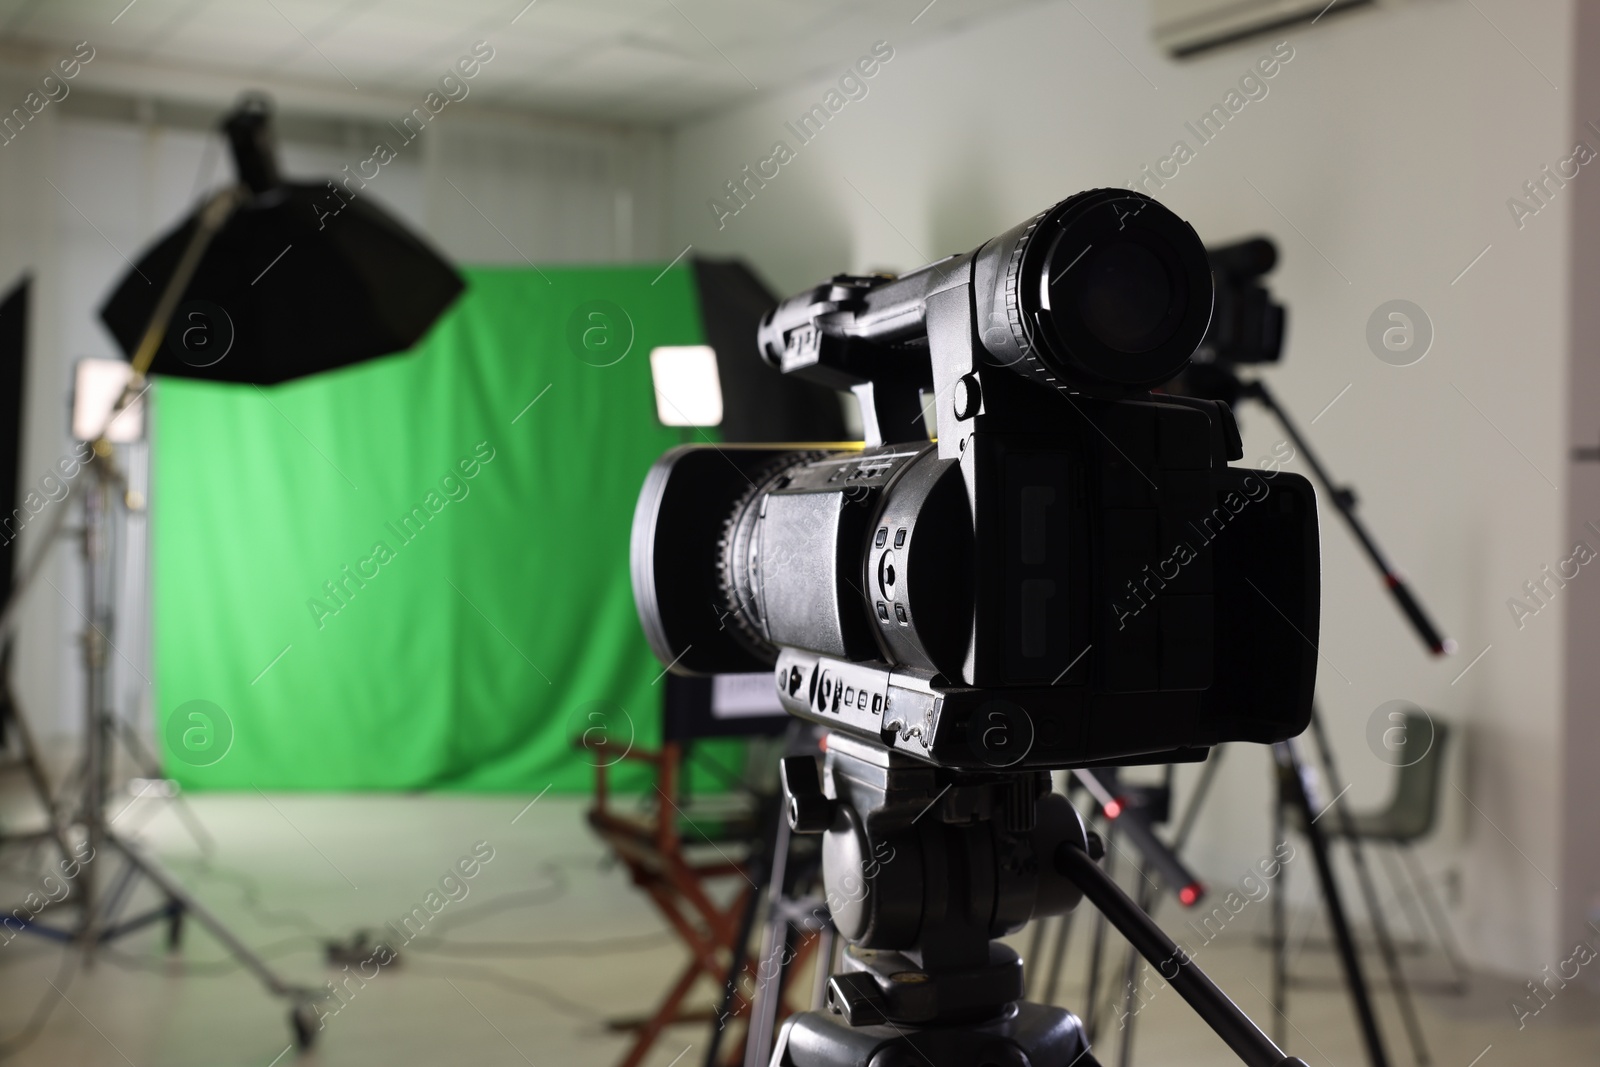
x,y
413,573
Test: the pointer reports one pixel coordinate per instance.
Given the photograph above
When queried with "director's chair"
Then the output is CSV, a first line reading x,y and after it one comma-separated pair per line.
x,y
677,847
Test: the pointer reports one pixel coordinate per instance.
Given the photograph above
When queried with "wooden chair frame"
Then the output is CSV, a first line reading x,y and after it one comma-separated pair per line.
x,y
654,852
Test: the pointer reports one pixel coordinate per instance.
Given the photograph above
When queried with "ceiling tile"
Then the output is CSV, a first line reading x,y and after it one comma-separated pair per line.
x,y
645,61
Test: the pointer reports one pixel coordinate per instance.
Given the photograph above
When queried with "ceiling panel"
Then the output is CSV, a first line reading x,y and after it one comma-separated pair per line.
x,y
651,61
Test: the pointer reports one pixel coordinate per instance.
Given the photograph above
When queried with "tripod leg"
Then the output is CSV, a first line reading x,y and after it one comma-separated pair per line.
x,y
767,994
1035,957
1360,995
738,959
1280,932
1091,997
1058,957
1129,1012
1369,893
827,940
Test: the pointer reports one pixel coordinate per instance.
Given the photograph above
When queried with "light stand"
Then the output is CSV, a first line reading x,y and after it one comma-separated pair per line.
x,y
15,733
362,286
1249,328
1344,500
101,900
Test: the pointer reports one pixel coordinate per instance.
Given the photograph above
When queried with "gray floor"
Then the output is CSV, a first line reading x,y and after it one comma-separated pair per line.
x,y
547,942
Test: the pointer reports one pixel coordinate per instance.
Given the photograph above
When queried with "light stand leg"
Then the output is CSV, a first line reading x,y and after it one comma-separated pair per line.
x,y
14,728
1436,916
1344,499
180,896
1197,799
150,767
1369,893
96,502
1405,894
1292,779
1280,927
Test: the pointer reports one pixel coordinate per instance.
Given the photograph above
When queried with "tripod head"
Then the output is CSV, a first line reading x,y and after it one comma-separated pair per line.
x,y
926,868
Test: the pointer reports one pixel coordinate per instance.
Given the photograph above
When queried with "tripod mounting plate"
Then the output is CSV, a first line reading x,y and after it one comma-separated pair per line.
x,y
1025,1035
879,986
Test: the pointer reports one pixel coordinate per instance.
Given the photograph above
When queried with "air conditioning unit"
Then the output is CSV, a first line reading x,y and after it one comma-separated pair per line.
x,y
1190,27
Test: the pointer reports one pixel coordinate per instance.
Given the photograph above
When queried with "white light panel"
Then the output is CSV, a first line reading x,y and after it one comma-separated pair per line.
x,y
688,391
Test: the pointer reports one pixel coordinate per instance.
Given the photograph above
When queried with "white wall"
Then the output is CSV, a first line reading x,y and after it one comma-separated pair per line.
x,y
1580,873
1380,161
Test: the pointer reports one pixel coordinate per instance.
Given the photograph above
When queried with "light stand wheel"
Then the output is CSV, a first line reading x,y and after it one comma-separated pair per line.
x,y
303,1021
175,930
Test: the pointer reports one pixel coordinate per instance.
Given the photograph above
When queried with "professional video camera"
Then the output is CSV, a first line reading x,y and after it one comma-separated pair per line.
x,y
1246,327
1069,574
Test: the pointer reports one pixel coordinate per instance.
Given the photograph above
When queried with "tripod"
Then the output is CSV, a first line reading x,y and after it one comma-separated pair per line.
x,y
970,857
101,901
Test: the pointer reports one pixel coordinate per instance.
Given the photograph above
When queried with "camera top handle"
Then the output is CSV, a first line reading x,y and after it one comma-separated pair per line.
x,y
1107,292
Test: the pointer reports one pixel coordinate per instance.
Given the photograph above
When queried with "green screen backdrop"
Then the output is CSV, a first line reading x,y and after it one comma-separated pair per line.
x,y
413,573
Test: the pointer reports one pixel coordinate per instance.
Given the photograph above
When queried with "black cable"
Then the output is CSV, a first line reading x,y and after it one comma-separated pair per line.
x,y
184,966
524,986
521,898
250,897
30,1032
536,949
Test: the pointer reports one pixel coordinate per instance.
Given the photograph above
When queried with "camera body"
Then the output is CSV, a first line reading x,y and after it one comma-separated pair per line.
x,y
1247,327
1069,574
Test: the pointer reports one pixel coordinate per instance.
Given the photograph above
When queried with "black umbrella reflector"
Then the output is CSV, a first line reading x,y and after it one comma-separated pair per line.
x,y
302,278
280,294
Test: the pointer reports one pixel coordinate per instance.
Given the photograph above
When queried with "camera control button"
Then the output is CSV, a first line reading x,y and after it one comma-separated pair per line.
x,y
967,396
887,575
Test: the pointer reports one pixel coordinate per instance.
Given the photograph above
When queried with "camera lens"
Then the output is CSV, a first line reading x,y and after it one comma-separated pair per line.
x,y
1123,294
1108,289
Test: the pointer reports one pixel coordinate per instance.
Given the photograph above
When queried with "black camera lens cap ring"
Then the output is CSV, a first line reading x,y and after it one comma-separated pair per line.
x,y
1130,227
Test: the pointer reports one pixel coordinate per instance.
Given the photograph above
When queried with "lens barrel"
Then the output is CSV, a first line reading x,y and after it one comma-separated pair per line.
x,y
1106,288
